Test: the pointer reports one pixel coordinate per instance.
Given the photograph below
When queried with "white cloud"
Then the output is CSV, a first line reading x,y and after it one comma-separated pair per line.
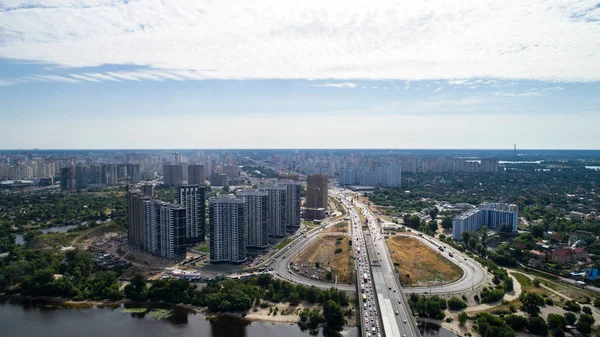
x,y
312,39
85,78
6,83
518,94
438,89
101,77
336,85
53,78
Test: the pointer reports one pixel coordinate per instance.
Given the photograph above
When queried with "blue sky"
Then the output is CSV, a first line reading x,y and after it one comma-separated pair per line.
x,y
144,74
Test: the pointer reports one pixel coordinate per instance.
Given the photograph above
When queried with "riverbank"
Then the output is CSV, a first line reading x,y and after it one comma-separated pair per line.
x,y
285,313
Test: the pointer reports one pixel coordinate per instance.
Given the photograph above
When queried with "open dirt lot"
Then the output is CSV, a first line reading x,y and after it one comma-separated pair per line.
x,y
322,252
422,265
341,227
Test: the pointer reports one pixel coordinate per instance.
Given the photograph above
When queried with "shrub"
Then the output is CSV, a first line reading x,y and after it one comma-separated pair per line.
x,y
572,306
456,304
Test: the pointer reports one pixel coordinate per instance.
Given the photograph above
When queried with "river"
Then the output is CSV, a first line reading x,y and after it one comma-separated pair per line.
x,y
34,320
62,229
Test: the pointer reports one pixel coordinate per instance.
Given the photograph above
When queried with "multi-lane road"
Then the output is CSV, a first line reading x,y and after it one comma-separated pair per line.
x,y
384,309
396,316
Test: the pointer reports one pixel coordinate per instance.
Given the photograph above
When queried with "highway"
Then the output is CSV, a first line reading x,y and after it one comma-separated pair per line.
x,y
397,318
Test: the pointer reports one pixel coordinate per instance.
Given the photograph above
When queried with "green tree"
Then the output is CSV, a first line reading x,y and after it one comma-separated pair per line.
x,y
585,323
537,231
294,298
484,234
556,322
462,318
447,223
433,213
537,325
516,322
315,317
570,317
334,316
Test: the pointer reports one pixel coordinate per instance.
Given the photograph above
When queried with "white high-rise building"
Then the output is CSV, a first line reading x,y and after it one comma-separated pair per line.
x,y
492,215
227,229
255,207
164,229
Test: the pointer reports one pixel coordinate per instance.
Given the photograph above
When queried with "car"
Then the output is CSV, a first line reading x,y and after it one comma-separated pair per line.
x,y
399,302
390,288
404,321
397,313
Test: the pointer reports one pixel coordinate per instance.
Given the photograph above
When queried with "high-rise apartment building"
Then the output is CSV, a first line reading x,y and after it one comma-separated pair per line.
x,y
489,165
67,179
148,190
293,204
227,229
219,179
177,158
133,171
276,209
172,175
316,190
196,174
136,229
109,174
82,176
492,215
256,215
121,171
164,229
95,174
192,198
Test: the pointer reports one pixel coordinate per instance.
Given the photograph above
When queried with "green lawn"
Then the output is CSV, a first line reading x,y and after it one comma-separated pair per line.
x,y
204,248
283,243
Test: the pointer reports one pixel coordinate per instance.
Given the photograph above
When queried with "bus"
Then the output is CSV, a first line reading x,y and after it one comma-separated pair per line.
x,y
364,297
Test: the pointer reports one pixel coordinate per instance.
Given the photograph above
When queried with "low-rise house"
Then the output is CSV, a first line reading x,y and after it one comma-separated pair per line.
x,y
538,255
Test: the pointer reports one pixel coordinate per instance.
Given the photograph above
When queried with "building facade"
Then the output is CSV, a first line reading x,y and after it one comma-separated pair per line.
x,y
227,229
82,177
67,179
136,233
492,215
293,204
256,215
276,209
196,174
164,226
172,175
192,198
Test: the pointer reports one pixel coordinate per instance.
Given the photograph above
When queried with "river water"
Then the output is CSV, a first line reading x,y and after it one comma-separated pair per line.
x,y
62,229
35,320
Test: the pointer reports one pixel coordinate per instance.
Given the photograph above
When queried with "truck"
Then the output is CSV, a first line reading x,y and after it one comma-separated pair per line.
x,y
365,277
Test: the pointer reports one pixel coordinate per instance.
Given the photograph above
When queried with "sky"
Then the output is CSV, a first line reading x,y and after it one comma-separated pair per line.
x,y
94,74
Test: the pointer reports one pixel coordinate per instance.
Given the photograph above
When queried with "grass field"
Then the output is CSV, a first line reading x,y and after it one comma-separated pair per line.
x,y
205,248
422,265
283,243
578,294
322,251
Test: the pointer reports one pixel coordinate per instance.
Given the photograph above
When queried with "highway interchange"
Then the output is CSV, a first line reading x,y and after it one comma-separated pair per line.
x,y
388,312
